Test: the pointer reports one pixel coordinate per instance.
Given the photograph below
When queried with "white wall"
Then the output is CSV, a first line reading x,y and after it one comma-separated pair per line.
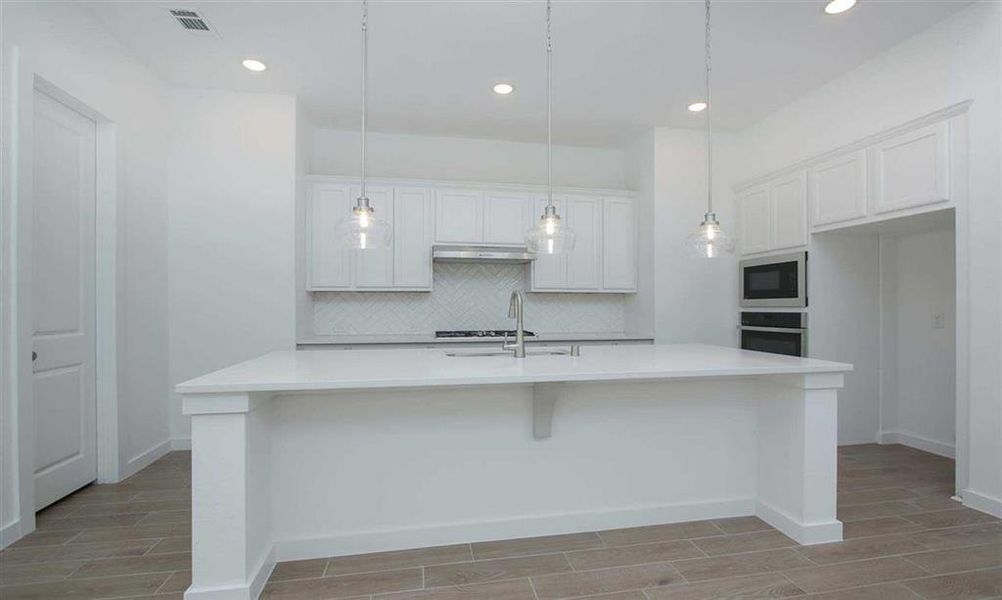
x,y
956,60
917,272
63,45
695,298
304,156
231,195
336,152
844,325
639,308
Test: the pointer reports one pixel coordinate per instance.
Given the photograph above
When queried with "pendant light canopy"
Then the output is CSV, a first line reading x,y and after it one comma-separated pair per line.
x,y
550,235
710,240
363,229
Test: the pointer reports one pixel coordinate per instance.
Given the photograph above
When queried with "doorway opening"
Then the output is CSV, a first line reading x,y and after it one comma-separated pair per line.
x,y
885,299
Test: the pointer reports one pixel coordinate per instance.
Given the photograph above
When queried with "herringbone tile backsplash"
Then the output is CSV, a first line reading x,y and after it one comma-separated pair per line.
x,y
465,296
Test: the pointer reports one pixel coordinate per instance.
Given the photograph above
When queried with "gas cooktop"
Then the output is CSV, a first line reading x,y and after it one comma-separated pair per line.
x,y
482,333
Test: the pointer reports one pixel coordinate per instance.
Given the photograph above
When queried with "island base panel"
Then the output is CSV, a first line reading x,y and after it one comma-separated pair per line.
x,y
285,477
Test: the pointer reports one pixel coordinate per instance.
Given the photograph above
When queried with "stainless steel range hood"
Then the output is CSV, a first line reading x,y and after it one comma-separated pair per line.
x,y
488,254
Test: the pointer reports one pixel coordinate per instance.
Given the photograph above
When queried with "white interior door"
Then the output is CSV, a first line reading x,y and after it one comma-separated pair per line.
x,y
63,300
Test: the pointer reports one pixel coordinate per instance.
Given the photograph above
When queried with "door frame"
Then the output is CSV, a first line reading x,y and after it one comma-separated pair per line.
x,y
23,81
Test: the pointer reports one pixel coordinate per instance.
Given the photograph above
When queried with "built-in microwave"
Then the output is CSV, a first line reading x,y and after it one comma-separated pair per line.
x,y
779,281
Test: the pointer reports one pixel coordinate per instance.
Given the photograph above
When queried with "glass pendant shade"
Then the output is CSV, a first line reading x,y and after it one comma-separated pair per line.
x,y
363,230
550,235
709,241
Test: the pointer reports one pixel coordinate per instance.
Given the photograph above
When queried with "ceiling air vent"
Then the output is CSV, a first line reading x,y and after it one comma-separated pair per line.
x,y
190,20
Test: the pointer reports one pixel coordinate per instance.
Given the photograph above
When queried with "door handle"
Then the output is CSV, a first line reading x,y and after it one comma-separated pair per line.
x,y
34,356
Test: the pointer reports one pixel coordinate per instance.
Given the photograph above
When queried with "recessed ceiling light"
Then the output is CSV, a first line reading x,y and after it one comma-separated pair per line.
x,y
503,89
254,65
697,107
835,7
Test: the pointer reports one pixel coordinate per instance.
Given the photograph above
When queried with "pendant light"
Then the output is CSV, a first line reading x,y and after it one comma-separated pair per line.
x,y
709,241
363,230
550,235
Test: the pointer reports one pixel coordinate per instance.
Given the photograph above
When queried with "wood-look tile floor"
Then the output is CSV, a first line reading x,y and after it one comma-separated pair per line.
x,y
905,539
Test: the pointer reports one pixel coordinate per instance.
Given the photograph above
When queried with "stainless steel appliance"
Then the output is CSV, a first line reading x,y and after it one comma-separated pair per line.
x,y
776,332
482,254
778,281
480,333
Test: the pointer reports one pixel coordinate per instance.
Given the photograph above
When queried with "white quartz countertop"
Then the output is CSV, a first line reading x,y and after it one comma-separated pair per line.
x,y
318,370
429,338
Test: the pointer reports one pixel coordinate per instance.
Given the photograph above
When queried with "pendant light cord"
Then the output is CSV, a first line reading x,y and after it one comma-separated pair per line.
x,y
549,109
709,119
365,64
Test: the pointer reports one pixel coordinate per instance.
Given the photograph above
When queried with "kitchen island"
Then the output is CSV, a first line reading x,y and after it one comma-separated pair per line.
x,y
309,454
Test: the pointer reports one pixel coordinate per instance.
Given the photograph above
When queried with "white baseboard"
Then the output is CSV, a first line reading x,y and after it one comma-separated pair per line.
x,y
918,442
251,591
992,506
145,459
803,533
462,532
10,533
180,444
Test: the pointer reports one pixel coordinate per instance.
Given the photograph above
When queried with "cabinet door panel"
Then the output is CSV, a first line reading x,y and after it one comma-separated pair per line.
x,y
374,267
912,169
549,271
328,263
789,211
619,249
755,217
412,237
838,189
507,217
584,262
459,216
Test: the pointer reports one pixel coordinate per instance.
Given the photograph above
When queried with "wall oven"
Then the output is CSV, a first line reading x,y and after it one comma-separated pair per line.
x,y
779,281
776,332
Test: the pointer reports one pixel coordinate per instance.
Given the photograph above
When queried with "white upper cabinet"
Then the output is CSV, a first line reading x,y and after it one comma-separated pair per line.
x,y
789,211
756,212
405,265
413,235
549,271
774,214
907,170
584,261
838,189
619,245
912,169
604,257
328,266
507,218
459,216
374,267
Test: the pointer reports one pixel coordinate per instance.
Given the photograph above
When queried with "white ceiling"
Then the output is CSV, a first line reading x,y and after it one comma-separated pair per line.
x,y
619,66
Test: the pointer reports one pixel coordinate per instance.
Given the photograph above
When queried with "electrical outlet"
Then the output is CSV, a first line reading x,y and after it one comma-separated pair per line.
x,y
938,321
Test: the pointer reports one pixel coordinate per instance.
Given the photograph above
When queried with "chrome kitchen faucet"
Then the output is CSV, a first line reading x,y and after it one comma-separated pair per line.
x,y
515,309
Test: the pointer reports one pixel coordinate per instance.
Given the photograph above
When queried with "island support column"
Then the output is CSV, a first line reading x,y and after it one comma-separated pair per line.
x,y
231,552
797,458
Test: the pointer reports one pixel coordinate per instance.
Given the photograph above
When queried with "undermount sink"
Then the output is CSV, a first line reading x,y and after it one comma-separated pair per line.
x,y
554,352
